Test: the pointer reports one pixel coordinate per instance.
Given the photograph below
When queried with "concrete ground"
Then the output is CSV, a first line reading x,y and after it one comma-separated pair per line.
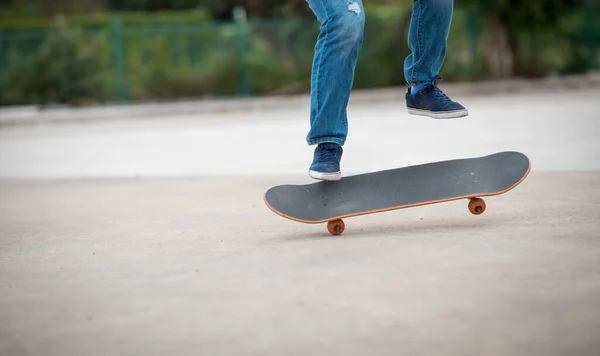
x,y
137,237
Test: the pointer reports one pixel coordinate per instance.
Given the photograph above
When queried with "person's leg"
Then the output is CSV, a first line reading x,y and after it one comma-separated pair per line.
x,y
427,40
336,53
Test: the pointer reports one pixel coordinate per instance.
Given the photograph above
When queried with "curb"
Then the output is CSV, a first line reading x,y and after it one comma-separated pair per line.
x,y
32,115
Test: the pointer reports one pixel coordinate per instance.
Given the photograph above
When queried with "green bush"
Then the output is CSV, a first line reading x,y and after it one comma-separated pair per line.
x,y
66,69
177,58
223,68
19,22
179,61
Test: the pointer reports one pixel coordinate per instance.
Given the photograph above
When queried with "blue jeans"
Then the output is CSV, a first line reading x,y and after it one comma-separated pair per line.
x,y
336,53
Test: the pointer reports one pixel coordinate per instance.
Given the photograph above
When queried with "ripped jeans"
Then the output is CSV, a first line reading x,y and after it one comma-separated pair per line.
x,y
336,53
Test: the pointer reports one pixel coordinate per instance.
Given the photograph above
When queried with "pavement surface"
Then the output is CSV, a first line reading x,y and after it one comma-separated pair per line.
x,y
150,237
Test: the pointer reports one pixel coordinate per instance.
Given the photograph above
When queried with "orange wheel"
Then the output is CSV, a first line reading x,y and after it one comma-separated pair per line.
x,y
336,227
476,206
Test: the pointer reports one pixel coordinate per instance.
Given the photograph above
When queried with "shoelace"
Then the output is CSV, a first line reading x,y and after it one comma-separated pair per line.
x,y
437,92
327,154
440,95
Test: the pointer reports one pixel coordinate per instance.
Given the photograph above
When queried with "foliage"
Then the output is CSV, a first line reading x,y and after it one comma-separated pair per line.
x,y
511,25
156,6
49,8
64,70
530,15
184,56
104,19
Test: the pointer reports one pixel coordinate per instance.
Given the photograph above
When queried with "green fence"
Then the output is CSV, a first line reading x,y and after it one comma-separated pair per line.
x,y
243,58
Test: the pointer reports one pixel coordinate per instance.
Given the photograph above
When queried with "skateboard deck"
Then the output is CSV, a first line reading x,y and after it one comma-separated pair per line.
x,y
405,187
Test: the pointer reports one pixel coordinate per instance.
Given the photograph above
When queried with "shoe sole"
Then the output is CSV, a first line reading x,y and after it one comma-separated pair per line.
x,y
440,115
325,176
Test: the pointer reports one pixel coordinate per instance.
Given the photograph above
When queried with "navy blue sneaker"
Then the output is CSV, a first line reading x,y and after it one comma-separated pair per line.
x,y
326,162
431,101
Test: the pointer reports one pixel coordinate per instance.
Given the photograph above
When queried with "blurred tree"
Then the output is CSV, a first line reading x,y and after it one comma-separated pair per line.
x,y
272,8
221,9
65,69
507,19
291,8
216,7
53,7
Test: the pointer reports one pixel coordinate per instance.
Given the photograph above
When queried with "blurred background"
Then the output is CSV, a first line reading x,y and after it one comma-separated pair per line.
x,y
86,52
132,218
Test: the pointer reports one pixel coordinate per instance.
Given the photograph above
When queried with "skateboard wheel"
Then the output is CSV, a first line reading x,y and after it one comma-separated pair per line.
x,y
476,206
336,227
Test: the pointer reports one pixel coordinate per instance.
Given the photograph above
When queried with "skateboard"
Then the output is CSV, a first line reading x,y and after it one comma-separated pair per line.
x,y
369,193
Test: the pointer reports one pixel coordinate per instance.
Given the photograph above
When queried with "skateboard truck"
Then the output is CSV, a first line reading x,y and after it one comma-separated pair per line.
x,y
337,227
